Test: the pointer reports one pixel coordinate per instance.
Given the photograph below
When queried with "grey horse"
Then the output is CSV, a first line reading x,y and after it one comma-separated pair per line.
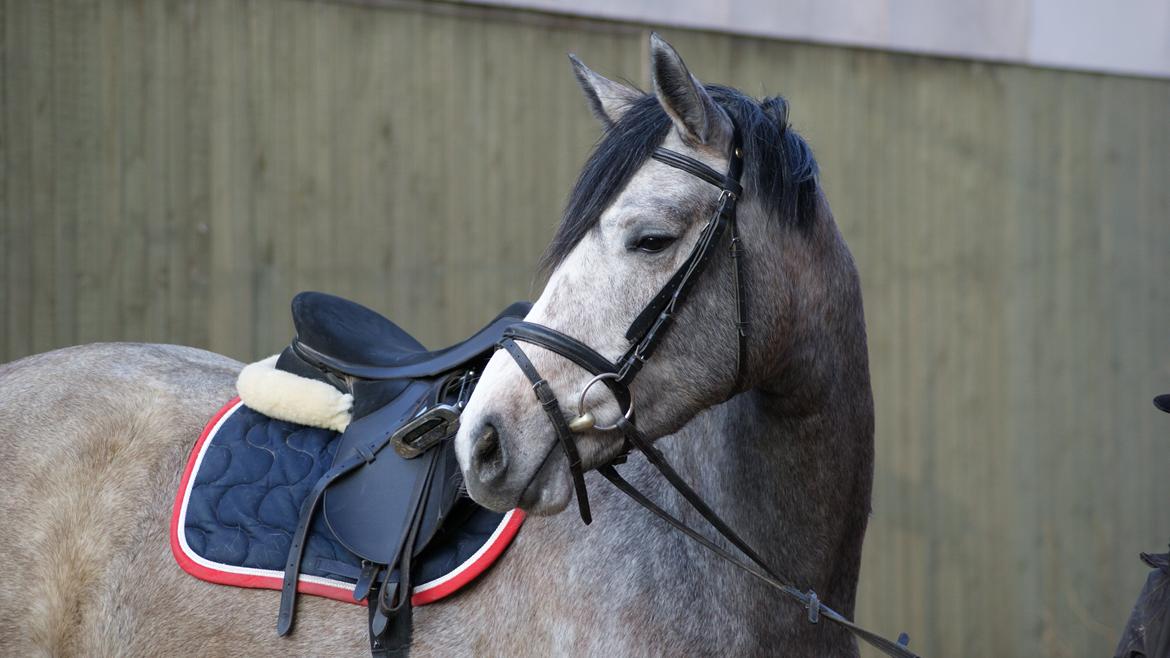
x,y
93,438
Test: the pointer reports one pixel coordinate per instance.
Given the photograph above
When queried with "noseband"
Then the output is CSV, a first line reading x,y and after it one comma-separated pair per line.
x,y
645,334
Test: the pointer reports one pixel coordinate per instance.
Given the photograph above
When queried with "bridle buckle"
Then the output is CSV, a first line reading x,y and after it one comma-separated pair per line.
x,y
814,607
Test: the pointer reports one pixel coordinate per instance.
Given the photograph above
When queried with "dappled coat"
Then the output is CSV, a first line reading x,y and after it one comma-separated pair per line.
x,y
1148,632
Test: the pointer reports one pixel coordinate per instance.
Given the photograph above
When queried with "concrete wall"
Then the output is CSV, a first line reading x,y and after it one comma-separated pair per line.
x,y
175,171
1119,36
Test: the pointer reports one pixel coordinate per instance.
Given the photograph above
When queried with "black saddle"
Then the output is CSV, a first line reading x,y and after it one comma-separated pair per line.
x,y
384,505
350,339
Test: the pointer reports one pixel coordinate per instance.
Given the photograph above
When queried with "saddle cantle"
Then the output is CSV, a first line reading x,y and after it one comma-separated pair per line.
x,y
394,483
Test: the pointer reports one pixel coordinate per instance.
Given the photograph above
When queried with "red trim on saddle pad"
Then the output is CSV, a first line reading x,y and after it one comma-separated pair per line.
x,y
224,574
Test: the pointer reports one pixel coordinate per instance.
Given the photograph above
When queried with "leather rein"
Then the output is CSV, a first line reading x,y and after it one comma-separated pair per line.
x,y
645,334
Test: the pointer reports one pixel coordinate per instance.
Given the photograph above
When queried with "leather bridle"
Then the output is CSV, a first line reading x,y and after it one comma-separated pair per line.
x,y
645,334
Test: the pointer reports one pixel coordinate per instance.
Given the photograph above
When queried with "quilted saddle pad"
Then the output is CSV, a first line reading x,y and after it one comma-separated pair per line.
x,y
240,498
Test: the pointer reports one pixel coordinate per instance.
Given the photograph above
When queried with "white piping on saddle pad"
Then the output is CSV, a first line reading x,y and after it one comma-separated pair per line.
x,y
285,396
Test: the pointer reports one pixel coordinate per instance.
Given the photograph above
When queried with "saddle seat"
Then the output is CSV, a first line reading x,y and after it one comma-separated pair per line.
x,y
344,337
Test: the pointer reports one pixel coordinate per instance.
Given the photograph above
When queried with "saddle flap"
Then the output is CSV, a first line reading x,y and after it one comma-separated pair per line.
x,y
370,510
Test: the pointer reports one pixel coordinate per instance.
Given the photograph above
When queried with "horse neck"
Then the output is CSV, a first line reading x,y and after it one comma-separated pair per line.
x,y
796,489
789,463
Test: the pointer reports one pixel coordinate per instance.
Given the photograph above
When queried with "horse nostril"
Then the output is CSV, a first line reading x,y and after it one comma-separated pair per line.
x,y
487,456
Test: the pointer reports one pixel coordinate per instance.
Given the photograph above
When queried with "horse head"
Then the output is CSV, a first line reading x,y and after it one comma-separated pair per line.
x,y
630,225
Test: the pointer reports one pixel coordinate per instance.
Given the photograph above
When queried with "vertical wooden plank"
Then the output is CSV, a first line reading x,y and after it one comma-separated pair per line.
x,y
7,50
230,186
176,218
72,82
266,92
97,172
155,127
39,237
130,244
18,116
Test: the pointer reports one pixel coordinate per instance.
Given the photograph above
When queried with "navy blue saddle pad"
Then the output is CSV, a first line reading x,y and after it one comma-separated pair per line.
x,y
240,498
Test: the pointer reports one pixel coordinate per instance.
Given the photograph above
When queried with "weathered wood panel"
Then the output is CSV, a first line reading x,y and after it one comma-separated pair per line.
x,y
175,171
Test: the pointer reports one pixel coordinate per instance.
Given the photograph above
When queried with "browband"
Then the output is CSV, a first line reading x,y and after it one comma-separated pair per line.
x,y
702,170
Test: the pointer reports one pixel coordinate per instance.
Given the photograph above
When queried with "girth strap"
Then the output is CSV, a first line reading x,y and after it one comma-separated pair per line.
x,y
389,600
396,637
292,567
391,616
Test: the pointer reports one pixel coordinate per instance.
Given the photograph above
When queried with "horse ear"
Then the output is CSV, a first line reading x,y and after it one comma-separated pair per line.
x,y
698,119
608,100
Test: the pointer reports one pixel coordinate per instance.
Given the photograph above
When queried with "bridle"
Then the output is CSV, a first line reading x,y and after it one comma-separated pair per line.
x,y
645,334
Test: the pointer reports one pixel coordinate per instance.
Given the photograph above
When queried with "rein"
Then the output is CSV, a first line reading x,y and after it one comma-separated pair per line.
x,y
645,334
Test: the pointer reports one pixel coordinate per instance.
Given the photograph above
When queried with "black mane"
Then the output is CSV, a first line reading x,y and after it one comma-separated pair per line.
x,y
780,170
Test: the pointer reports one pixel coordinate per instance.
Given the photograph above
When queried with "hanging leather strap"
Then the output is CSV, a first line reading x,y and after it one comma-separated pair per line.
x,y
391,628
292,567
758,568
651,324
809,601
548,402
741,321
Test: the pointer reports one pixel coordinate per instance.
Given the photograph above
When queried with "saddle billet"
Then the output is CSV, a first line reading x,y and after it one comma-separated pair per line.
x,y
394,480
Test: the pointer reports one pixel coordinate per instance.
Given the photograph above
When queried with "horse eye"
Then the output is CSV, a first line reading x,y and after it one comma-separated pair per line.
x,y
653,244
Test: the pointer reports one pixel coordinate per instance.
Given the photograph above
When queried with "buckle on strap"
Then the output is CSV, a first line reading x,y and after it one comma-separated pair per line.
x,y
814,607
544,393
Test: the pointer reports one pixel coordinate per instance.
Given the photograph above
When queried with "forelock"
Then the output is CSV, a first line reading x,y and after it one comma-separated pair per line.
x,y
780,171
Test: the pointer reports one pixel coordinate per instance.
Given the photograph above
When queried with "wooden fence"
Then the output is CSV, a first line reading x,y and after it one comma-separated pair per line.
x,y
174,171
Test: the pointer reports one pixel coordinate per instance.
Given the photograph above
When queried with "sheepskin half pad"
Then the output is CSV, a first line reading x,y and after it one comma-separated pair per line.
x,y
240,498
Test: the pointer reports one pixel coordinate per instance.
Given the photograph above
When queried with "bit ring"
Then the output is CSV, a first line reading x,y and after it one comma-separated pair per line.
x,y
581,402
